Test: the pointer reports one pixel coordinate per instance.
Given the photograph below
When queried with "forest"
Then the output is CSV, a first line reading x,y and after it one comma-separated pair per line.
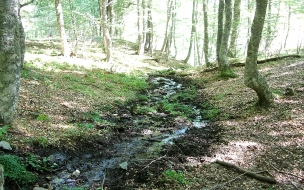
x,y
151,94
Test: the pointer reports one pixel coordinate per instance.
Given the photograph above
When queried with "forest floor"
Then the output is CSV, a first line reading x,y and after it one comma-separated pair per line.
x,y
74,111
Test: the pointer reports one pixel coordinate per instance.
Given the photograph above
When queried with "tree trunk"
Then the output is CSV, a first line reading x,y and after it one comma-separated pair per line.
x,y
235,27
206,35
168,27
107,41
140,24
219,27
11,58
149,33
111,17
252,78
65,50
193,29
223,61
74,27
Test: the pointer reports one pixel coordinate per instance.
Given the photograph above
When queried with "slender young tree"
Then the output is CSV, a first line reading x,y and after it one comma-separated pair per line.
x,y
220,26
206,34
12,50
141,27
149,32
252,78
167,39
193,29
107,41
235,27
65,50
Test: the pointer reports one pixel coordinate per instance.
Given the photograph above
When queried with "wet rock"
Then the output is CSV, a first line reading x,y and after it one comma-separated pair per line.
x,y
5,145
76,173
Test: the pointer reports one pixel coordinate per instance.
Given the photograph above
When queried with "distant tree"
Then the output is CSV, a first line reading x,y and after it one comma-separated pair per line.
x,y
141,22
206,35
107,40
65,50
150,29
193,29
235,28
12,50
166,47
252,78
223,42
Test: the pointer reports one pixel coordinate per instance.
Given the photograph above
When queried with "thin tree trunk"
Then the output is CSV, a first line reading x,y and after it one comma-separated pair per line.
x,y
235,27
107,41
269,27
252,78
65,50
74,27
223,61
12,50
110,17
206,34
288,25
220,28
173,29
140,38
193,30
168,26
149,33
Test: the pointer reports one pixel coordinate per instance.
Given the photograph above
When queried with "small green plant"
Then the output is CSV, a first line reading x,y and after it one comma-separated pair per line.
x,y
43,118
86,126
3,130
176,176
210,113
44,165
93,116
15,171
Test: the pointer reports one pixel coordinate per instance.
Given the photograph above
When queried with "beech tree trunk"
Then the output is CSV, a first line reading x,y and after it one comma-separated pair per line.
x,y
220,21
235,26
65,50
140,23
206,34
193,30
12,50
107,41
252,78
222,57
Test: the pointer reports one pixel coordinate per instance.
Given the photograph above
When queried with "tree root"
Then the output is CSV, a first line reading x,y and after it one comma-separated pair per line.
x,y
246,172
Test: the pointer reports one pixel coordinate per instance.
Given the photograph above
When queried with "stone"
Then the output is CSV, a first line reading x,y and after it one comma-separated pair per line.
x,y
5,145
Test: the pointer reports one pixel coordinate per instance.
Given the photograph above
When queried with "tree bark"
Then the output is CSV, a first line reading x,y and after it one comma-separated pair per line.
x,y
11,58
252,78
222,58
65,50
193,30
206,34
165,46
107,41
235,25
149,33
140,24
219,27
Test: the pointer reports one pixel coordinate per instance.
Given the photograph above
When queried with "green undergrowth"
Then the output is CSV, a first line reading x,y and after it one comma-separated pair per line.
x,y
15,171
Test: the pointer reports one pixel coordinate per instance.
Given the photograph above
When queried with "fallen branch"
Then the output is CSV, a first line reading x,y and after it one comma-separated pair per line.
x,y
241,64
246,172
153,161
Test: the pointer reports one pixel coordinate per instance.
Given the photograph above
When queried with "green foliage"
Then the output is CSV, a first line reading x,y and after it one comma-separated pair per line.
x,y
277,92
15,171
209,112
176,109
175,176
43,118
86,126
44,165
3,130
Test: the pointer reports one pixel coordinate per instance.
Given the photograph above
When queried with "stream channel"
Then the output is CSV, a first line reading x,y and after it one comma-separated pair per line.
x,y
92,169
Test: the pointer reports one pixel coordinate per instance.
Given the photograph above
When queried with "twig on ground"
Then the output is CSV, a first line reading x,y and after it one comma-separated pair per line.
x,y
282,172
247,173
223,184
104,178
152,162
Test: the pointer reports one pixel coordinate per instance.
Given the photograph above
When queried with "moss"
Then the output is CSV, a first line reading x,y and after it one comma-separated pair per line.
x,y
15,171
